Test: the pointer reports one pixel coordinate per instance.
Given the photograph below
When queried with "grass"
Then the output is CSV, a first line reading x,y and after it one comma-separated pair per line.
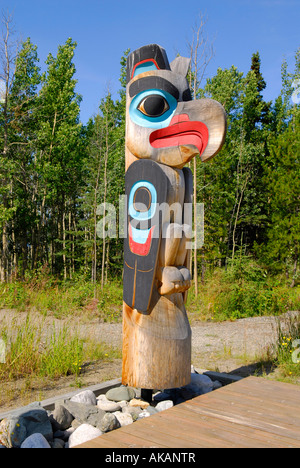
x,y
49,296
287,348
62,352
244,289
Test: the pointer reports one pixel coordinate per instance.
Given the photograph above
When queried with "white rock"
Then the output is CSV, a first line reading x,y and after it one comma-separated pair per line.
x,y
35,441
108,406
164,405
144,414
87,397
123,403
124,418
82,434
102,397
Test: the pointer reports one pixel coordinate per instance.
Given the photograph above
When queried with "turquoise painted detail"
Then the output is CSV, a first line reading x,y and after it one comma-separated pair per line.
x,y
142,215
140,236
152,122
144,67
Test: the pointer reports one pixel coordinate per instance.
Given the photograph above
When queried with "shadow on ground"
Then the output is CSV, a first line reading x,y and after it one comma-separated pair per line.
x,y
257,369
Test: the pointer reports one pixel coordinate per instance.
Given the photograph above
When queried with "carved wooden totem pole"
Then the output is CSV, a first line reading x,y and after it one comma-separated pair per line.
x,y
165,129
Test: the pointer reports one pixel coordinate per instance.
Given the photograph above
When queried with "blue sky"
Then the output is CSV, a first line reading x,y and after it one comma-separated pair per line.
x,y
104,29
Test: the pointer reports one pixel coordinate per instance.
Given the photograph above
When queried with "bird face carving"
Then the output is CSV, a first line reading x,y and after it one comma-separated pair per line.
x,y
163,123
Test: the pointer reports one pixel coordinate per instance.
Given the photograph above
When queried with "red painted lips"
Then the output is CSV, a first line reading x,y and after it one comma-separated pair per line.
x,y
181,131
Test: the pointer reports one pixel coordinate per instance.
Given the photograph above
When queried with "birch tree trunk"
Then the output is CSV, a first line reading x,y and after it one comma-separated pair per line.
x,y
8,52
201,53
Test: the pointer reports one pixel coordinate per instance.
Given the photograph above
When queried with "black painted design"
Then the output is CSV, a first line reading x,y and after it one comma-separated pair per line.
x,y
153,82
186,95
139,271
148,52
154,105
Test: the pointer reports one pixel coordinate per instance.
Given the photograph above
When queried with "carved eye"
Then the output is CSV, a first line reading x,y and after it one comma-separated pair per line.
x,y
142,199
154,105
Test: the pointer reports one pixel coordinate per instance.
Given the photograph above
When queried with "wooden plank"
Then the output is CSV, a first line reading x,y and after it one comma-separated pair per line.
x,y
219,434
240,418
238,434
278,398
252,413
264,406
278,391
122,438
254,405
153,429
262,399
191,430
238,415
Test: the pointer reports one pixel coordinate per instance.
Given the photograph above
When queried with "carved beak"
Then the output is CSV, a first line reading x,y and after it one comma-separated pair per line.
x,y
181,132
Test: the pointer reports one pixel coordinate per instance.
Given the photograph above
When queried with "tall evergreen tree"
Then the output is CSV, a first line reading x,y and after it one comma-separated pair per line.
x,y
282,174
282,250
232,189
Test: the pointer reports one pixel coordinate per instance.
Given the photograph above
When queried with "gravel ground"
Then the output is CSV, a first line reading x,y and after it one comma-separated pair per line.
x,y
246,337
222,346
233,347
249,336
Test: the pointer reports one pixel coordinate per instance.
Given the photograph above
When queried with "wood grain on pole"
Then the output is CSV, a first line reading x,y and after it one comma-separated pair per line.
x,y
158,144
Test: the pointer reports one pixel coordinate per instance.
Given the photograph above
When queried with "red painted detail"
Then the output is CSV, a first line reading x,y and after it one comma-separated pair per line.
x,y
181,131
140,249
179,118
144,61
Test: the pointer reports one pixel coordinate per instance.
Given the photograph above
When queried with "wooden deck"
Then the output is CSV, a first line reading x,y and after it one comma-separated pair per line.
x,y
251,413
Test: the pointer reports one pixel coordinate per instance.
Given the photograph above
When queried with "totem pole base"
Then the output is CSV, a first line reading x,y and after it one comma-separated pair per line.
x,y
157,345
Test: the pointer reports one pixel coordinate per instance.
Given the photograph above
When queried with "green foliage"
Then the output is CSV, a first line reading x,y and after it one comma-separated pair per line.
x,y
44,293
55,173
249,292
282,181
286,349
244,289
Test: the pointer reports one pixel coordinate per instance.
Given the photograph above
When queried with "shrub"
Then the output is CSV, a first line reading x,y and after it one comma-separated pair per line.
x,y
243,290
287,347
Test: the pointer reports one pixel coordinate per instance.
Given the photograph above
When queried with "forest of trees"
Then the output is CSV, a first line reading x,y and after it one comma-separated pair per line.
x,y
55,171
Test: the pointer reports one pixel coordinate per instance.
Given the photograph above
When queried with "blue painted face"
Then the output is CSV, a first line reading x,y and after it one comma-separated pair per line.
x,y
143,67
153,108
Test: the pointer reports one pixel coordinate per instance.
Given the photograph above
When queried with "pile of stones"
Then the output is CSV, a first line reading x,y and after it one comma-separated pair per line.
x,y
85,416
